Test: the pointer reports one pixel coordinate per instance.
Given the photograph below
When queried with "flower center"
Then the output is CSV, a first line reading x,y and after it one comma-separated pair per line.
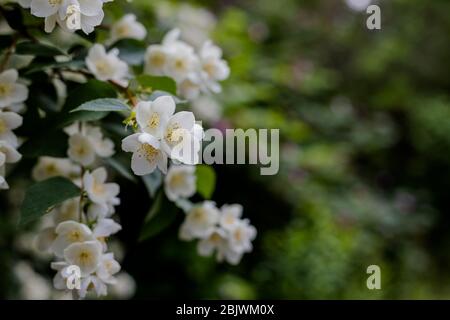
x,y
154,121
180,65
174,133
102,67
54,3
209,68
98,188
74,236
84,257
157,59
3,127
199,215
122,30
215,238
149,151
5,90
229,219
177,180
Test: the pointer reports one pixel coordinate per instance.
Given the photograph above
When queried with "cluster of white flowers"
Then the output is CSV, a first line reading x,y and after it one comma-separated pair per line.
x,y
127,28
220,231
162,134
70,15
194,72
86,143
12,97
78,231
106,66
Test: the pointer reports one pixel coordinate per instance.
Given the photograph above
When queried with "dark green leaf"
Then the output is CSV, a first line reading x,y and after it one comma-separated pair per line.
x,y
121,167
206,180
43,196
131,51
161,215
37,49
105,104
155,83
152,182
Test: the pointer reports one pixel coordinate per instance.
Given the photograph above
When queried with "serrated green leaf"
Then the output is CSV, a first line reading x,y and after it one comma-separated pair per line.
x,y
38,49
157,83
104,105
44,195
206,180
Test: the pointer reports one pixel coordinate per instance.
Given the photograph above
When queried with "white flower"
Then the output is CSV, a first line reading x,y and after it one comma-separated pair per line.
x,y
215,240
241,236
190,88
230,216
97,190
86,255
156,58
68,211
8,154
180,182
182,61
107,66
8,122
92,281
200,221
97,211
11,92
213,66
69,232
106,227
207,109
181,138
107,268
81,149
104,147
152,116
48,167
125,286
127,27
147,155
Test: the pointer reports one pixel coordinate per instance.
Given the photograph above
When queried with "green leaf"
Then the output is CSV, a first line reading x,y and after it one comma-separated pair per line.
x,y
206,180
121,167
161,215
152,182
157,83
105,105
41,197
38,49
131,51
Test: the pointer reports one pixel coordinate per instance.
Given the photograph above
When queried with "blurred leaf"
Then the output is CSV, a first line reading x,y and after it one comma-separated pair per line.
x,y
131,51
153,181
206,180
13,16
121,167
41,197
161,215
105,104
157,83
38,49
43,93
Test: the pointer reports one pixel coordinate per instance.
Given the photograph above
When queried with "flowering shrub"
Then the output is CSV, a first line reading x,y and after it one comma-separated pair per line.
x,y
65,97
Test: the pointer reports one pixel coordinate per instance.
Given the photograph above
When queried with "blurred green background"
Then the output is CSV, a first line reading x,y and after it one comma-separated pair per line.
x,y
364,119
